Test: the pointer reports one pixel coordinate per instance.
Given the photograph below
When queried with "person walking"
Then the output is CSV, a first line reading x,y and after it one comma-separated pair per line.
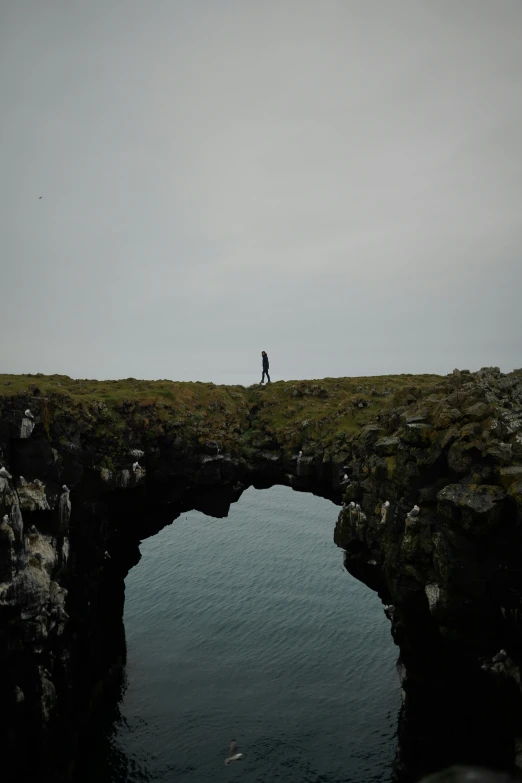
x,y
264,356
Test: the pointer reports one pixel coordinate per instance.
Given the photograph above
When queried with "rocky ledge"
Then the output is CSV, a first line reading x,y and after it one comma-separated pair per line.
x,y
430,473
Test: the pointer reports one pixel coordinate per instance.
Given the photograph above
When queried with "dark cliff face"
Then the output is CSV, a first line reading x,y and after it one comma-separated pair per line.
x,y
86,487
451,573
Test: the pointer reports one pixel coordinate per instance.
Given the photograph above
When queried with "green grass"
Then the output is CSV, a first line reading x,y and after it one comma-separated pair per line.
x,y
304,414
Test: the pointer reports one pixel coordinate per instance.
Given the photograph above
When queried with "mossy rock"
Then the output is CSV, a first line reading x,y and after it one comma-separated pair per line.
x,y
515,491
510,475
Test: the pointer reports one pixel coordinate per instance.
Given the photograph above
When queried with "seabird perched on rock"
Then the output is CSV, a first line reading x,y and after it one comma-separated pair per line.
x,y
351,505
65,488
22,481
38,483
28,414
6,519
300,453
389,609
384,510
4,473
135,466
33,531
345,477
500,657
414,512
107,556
233,754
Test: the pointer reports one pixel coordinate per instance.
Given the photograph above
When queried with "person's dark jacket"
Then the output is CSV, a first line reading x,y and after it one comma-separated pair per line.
x,y
265,362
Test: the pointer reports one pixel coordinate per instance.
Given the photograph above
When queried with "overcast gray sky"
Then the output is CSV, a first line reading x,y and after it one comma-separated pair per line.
x,y
338,183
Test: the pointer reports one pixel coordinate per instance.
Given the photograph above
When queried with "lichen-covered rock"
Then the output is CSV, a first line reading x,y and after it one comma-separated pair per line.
x,y
417,434
477,412
510,475
33,497
387,446
475,508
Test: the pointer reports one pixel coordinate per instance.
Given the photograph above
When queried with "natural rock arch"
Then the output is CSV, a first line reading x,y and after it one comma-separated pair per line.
x,y
96,483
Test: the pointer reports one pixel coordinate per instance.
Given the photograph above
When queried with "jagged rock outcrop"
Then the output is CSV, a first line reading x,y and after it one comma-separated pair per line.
x,y
450,572
431,478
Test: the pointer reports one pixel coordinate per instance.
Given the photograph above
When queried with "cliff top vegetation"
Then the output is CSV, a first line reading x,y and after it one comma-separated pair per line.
x,y
294,413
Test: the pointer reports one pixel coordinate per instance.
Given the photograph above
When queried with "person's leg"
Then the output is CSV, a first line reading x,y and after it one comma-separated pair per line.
x,y
267,375
263,377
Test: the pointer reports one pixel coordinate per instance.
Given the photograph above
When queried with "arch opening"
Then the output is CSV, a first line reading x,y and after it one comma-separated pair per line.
x,y
251,627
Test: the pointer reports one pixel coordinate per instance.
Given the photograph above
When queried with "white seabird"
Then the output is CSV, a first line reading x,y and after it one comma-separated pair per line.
x,y
65,488
351,505
345,477
300,454
500,657
6,519
414,512
233,754
28,414
135,466
4,473
22,481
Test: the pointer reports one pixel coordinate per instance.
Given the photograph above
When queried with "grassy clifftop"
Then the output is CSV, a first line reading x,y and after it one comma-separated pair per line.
x,y
289,413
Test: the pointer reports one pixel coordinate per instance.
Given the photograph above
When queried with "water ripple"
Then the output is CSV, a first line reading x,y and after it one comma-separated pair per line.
x,y
250,627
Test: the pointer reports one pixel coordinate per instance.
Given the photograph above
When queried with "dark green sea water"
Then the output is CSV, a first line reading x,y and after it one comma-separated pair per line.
x,y
250,627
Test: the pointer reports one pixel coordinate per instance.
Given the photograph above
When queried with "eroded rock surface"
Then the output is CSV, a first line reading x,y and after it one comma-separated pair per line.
x,y
443,553
452,573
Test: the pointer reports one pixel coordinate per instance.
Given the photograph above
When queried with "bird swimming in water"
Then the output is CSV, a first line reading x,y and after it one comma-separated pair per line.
x,y
28,414
4,473
233,754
